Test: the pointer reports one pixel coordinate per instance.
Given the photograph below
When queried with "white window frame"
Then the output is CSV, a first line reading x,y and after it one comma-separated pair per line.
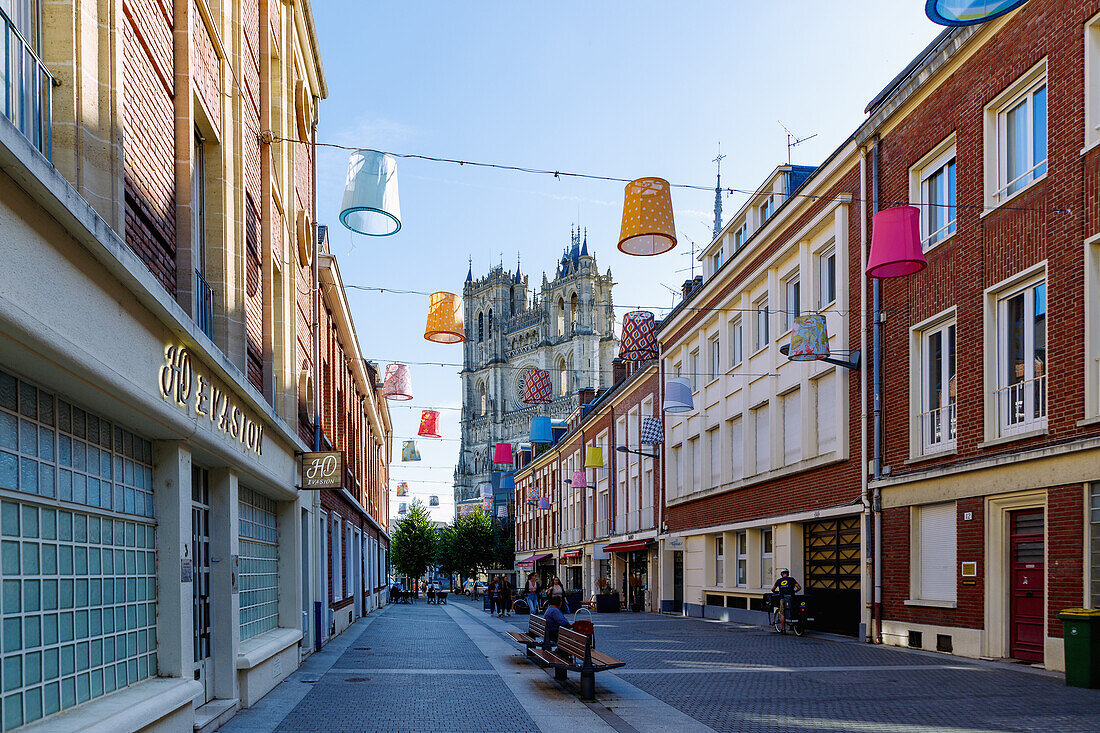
x,y
1015,406
767,209
1092,78
938,159
719,561
736,341
716,260
741,548
826,277
693,370
996,150
740,236
935,425
767,557
761,324
1092,327
792,300
715,357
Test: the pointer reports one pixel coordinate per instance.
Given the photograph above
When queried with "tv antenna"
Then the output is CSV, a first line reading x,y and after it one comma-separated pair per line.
x,y
793,140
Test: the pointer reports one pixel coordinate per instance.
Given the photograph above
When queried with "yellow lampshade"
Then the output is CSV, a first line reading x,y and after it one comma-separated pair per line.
x,y
648,227
444,319
593,457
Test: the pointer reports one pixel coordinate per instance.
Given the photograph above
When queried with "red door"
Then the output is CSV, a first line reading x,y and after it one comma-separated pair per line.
x,y
1026,585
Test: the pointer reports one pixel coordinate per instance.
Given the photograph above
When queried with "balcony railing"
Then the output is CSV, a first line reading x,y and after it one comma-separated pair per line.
x,y
204,305
937,429
28,89
1022,406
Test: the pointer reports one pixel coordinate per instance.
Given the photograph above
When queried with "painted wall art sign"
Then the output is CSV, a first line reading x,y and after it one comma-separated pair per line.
x,y
190,389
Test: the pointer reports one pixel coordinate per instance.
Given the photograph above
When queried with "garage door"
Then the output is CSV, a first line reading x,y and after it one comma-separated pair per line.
x,y
832,573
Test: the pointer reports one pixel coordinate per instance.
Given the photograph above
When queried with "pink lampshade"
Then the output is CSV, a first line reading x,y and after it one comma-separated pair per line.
x,y
537,389
398,384
895,243
639,341
580,481
503,453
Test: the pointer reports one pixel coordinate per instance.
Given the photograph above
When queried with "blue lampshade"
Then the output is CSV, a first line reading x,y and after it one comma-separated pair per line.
x,y
968,12
678,395
370,203
508,483
540,430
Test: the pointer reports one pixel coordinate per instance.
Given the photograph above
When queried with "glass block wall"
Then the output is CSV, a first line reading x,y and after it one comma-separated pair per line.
x,y
78,596
258,573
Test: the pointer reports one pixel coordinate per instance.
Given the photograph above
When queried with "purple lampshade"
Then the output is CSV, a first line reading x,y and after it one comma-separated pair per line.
x,y
895,243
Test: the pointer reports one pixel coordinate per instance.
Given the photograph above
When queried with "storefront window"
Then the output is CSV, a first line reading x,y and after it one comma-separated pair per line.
x,y
259,564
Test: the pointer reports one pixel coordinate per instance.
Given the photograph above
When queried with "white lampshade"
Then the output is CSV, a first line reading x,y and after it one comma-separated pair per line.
x,y
370,203
678,395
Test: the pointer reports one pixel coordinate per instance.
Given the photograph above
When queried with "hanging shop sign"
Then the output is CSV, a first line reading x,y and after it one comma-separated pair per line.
x,y
323,470
192,390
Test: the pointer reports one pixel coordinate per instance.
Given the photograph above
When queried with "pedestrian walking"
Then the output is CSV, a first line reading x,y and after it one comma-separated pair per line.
x,y
532,593
557,590
494,593
505,597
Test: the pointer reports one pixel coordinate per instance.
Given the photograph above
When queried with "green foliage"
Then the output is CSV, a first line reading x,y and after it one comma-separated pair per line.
x,y
466,547
413,544
504,543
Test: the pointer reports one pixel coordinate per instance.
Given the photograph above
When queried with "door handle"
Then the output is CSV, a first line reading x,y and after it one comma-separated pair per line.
x,y
1029,594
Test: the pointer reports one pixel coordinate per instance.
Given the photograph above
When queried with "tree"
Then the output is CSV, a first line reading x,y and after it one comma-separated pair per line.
x,y
504,543
466,546
414,541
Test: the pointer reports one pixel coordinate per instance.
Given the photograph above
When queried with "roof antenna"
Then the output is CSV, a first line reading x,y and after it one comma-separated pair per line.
x,y
793,140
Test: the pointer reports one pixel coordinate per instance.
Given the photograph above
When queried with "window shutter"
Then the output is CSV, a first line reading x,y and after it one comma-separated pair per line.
x,y
792,428
763,440
937,552
826,413
737,450
715,458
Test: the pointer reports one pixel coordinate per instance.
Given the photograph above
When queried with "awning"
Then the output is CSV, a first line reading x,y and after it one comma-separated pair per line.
x,y
531,560
626,546
571,553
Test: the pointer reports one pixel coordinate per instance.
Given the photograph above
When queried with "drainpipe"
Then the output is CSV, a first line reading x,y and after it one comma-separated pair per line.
x,y
316,286
876,364
864,495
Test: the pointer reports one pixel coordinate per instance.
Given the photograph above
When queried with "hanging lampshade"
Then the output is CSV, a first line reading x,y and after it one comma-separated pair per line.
x,y
809,338
398,384
580,480
540,430
485,489
653,432
537,389
433,500
895,243
532,494
502,511
487,504
678,395
648,227
593,457
544,503
370,203
402,489
444,319
503,453
968,12
639,341
508,482
429,424
402,508
409,451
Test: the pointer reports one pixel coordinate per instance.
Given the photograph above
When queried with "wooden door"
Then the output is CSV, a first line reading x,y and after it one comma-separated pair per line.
x,y
1026,583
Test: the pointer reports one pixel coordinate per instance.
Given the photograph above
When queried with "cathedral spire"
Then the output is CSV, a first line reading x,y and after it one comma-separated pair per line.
x,y
584,246
718,193
470,273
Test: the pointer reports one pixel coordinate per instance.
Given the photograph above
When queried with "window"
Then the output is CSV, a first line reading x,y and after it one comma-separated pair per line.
x,y
258,564
763,439
766,209
1094,546
826,413
826,278
740,235
742,559
338,558
716,261
936,539
198,203
715,357
677,469
719,560
1092,77
792,427
791,301
737,450
715,448
937,199
480,326
1021,392
761,309
767,558
693,366
936,420
696,464
1019,119
736,336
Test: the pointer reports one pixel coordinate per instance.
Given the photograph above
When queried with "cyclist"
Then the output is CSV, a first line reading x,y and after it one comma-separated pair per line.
x,y
785,587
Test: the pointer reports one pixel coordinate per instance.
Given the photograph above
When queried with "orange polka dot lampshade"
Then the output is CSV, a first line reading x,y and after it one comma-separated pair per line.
x,y
444,319
648,227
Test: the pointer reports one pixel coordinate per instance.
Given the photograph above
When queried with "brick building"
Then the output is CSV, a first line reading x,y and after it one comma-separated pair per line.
x,y
991,422
606,529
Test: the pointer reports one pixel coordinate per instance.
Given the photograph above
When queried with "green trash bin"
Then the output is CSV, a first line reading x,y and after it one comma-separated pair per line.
x,y
1081,630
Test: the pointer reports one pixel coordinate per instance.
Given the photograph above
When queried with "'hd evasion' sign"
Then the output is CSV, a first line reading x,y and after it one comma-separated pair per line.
x,y
324,470
180,383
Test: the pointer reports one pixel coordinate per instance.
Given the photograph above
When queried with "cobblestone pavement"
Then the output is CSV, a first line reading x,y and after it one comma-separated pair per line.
x,y
421,667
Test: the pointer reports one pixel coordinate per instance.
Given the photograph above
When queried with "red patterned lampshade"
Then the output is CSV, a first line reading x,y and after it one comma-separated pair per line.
x,y
532,494
536,387
639,341
398,384
429,424
503,453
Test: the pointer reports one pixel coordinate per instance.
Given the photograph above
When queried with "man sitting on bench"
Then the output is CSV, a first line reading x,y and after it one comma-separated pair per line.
x,y
555,619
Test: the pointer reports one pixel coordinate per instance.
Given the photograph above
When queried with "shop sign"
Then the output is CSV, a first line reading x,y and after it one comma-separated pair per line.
x,y
191,390
323,470
676,543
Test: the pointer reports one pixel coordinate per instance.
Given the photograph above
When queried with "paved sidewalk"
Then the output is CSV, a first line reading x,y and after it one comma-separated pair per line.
x,y
443,668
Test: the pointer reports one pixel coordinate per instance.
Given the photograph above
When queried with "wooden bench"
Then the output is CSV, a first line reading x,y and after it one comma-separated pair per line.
x,y
575,653
536,631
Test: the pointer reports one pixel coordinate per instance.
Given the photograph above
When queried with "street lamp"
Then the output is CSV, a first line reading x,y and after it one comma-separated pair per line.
x,y
624,449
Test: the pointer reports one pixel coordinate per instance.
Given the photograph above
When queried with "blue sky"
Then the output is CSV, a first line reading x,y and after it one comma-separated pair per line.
x,y
610,88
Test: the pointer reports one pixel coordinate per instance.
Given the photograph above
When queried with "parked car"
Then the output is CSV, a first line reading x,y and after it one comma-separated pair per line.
x,y
470,588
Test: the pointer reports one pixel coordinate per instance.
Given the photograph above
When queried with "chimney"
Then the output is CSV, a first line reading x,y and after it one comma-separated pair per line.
x,y
586,395
618,370
686,288
697,283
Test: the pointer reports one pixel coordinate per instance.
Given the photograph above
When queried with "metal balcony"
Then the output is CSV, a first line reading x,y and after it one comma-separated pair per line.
x,y
28,89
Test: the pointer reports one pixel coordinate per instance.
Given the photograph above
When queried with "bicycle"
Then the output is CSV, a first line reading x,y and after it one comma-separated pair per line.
x,y
783,617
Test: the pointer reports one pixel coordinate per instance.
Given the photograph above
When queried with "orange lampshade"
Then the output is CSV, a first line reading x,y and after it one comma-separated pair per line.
x,y
444,319
648,227
429,424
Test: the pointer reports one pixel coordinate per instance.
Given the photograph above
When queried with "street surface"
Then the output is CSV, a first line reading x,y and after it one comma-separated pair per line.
x,y
442,668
